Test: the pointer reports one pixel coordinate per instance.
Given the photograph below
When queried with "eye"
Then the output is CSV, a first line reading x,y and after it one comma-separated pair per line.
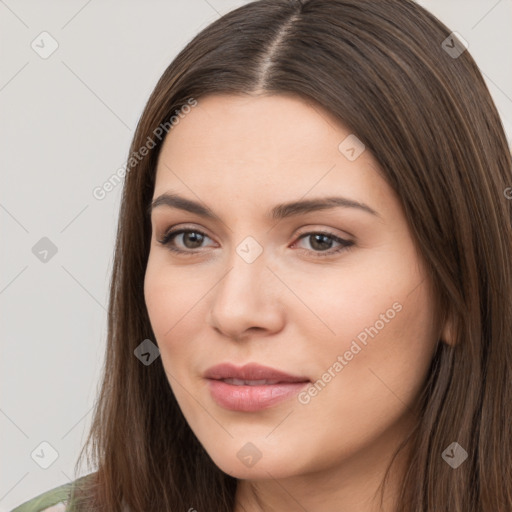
x,y
191,239
320,241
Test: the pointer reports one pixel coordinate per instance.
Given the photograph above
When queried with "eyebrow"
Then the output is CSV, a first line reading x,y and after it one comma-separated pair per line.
x,y
278,212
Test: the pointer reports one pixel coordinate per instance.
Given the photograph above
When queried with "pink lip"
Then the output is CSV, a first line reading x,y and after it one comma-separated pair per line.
x,y
251,398
251,371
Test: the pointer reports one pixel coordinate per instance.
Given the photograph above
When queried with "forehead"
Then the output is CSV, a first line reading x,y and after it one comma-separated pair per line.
x,y
274,119
264,150
272,135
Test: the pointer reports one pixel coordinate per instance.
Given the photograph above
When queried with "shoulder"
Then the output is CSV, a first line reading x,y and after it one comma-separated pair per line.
x,y
54,500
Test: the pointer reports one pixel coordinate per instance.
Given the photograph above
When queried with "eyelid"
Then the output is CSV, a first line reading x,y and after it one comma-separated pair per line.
x,y
302,231
345,235
178,228
345,243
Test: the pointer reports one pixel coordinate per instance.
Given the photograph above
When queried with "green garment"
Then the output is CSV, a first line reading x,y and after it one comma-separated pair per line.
x,y
58,497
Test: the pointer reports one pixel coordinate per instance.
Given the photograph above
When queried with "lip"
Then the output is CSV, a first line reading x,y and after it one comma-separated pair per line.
x,y
250,371
250,398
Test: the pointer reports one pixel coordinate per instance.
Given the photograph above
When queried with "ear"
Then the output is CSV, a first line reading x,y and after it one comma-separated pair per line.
x,y
448,331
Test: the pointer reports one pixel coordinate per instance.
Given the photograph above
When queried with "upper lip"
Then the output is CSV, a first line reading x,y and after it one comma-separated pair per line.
x,y
250,371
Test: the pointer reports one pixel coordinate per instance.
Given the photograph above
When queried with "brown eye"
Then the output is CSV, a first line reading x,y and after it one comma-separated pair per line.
x,y
190,239
321,242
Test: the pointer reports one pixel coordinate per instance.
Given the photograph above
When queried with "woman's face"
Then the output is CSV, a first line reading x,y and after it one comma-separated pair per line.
x,y
335,296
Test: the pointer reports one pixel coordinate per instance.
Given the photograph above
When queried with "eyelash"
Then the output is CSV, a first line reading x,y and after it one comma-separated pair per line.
x,y
170,235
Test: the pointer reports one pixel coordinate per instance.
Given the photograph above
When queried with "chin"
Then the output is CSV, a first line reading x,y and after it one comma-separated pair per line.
x,y
244,461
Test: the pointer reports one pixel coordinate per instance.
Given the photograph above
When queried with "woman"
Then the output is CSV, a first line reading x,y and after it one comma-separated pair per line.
x,y
311,296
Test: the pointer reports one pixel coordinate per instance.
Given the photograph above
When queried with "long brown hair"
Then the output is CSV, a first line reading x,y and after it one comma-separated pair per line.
x,y
427,116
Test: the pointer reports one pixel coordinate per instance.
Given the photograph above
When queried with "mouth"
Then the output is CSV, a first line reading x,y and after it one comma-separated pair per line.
x,y
251,387
242,382
251,373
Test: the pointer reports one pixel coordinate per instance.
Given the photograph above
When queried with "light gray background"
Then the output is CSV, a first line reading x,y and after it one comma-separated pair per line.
x,y
66,125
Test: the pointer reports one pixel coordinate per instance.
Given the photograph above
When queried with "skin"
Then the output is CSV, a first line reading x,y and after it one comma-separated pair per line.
x,y
290,308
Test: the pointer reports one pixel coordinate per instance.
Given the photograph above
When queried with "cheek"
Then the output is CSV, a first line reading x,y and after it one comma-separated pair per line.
x,y
372,390
376,331
382,350
403,355
169,293
173,305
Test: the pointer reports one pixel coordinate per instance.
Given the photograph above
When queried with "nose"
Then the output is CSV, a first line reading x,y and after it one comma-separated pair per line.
x,y
247,300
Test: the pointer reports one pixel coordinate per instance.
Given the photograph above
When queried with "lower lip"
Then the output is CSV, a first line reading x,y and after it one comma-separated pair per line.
x,y
252,398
